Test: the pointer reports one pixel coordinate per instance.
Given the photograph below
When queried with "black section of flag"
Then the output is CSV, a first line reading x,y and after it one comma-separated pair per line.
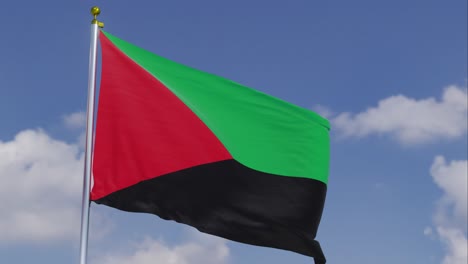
x,y
230,200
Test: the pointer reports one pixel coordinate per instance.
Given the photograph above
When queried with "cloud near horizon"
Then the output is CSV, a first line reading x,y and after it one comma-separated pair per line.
x,y
200,249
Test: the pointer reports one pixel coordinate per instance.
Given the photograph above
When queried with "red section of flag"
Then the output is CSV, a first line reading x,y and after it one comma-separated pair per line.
x,y
143,130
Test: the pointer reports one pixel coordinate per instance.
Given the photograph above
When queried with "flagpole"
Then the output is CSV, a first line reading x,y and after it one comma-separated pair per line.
x,y
95,24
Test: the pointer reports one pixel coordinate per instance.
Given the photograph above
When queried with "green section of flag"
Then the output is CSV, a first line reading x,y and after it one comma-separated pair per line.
x,y
260,131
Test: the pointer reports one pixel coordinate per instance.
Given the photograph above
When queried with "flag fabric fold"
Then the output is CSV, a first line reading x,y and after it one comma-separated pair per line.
x,y
202,150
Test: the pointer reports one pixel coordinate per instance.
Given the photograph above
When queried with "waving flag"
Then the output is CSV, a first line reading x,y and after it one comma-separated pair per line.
x,y
205,151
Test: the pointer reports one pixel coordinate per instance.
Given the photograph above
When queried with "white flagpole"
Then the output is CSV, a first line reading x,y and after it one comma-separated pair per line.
x,y
95,24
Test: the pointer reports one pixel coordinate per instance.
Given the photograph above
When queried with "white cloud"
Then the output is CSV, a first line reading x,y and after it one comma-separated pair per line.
x,y
450,216
428,231
456,244
41,183
323,111
452,178
202,249
411,121
75,120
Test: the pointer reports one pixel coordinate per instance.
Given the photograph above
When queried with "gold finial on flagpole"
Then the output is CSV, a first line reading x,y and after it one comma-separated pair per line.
x,y
95,11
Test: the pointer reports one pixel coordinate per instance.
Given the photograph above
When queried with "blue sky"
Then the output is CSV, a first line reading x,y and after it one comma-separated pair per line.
x,y
390,75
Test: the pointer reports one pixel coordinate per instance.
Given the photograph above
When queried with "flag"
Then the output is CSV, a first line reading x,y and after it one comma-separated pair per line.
x,y
205,151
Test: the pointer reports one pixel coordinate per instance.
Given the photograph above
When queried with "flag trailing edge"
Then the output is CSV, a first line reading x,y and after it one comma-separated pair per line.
x,y
205,151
